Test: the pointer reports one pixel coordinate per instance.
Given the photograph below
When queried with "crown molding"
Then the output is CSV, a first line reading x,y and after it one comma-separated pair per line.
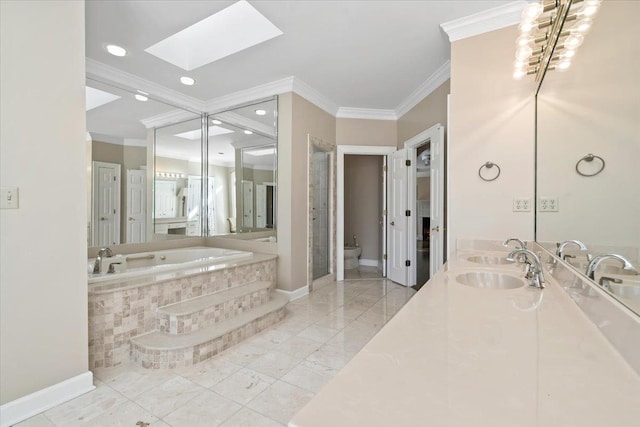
x,y
434,81
168,118
110,75
366,114
483,22
266,90
315,97
247,123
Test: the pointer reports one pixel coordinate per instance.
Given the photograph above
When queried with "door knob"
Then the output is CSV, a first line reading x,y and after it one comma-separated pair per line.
x,y
393,223
436,228
131,218
103,218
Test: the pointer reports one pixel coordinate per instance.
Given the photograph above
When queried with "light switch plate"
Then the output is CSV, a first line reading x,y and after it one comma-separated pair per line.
x,y
8,197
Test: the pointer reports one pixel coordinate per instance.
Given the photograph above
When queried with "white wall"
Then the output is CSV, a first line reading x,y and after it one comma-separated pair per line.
x,y
43,244
491,119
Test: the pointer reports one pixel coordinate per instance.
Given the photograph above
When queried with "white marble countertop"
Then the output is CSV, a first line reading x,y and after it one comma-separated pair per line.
x,y
457,355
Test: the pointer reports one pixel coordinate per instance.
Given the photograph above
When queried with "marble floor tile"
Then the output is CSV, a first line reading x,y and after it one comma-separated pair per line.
x,y
243,386
280,401
275,364
137,381
318,333
336,320
298,347
210,372
310,376
37,421
85,408
208,409
248,418
242,354
169,396
270,338
125,414
330,356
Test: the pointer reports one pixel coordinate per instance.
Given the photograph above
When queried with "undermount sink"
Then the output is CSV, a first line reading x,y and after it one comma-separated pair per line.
x,y
489,259
488,280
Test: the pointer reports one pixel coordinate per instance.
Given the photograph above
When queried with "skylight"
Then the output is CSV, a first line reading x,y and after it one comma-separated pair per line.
x,y
235,28
262,152
96,97
195,134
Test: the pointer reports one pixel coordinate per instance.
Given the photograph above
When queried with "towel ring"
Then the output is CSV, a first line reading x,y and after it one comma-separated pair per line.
x,y
589,158
488,165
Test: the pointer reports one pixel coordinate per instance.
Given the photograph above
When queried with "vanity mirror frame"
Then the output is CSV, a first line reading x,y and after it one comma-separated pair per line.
x,y
545,242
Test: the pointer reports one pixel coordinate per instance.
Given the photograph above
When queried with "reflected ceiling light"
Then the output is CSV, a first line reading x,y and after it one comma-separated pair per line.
x,y
143,93
550,32
216,122
261,112
187,81
140,97
261,152
116,50
195,134
247,132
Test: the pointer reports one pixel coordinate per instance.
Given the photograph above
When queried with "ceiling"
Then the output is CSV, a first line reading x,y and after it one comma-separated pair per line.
x,y
358,54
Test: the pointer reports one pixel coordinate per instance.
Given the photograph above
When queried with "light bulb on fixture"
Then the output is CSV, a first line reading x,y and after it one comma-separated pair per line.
x,y
532,11
526,27
568,53
261,112
573,41
141,97
563,64
523,52
248,132
523,40
520,64
519,74
590,7
216,122
583,25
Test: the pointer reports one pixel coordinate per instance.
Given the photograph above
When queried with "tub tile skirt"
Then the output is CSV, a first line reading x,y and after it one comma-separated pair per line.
x,y
202,314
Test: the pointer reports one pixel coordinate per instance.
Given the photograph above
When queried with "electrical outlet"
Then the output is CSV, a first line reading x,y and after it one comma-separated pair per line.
x,y
548,204
9,198
522,204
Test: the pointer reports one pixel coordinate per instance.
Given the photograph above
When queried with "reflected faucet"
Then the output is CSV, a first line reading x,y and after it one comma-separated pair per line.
x,y
560,250
595,262
534,271
97,265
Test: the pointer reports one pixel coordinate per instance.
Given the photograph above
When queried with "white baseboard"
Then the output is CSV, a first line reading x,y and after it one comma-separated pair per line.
x,y
298,293
369,262
32,404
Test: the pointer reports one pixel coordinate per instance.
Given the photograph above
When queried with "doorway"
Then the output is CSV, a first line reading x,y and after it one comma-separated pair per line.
x,y
106,203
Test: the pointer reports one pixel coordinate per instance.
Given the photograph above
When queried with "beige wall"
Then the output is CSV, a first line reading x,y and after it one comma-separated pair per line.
x,y
133,157
492,119
428,112
366,132
297,118
43,244
106,152
363,204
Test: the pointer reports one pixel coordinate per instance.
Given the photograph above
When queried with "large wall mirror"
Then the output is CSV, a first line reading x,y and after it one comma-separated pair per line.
x,y
588,152
118,146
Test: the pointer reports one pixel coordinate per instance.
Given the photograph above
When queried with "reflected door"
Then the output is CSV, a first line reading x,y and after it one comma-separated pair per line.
x,y
247,204
106,204
261,206
320,218
136,205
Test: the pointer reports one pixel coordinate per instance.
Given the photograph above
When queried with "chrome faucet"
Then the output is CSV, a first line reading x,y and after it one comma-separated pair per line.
x,y
522,244
97,265
595,262
560,250
534,271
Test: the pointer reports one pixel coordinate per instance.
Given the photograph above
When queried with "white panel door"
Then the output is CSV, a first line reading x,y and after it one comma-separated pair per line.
x,y
136,205
436,239
397,221
261,206
106,206
247,204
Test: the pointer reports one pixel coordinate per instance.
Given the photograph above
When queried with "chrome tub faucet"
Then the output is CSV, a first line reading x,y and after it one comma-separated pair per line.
x,y
98,263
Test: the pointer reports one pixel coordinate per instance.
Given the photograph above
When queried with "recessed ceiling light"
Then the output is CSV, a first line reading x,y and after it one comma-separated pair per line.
x,y
248,132
141,97
116,50
187,81
240,25
261,112
216,122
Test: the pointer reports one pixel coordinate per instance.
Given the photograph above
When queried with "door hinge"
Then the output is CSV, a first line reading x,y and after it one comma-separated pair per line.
x,y
114,178
384,212
407,162
114,211
384,256
407,213
407,263
384,168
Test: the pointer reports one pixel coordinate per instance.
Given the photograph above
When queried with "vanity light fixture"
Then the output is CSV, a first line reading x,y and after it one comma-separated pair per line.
x,y
140,97
171,175
550,33
188,81
248,132
261,112
116,50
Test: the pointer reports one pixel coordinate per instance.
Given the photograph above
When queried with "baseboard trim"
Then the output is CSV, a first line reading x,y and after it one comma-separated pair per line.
x,y
369,262
32,404
295,294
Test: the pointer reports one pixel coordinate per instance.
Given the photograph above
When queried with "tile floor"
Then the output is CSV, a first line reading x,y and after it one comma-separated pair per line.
x,y
263,381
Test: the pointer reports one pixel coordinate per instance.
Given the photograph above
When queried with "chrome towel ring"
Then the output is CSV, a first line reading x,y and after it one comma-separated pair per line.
x,y
488,166
589,158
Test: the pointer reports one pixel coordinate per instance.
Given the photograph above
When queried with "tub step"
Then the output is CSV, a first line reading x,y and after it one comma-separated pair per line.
x,y
191,315
160,350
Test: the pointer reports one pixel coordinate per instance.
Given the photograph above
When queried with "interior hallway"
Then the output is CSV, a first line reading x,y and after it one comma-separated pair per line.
x,y
263,381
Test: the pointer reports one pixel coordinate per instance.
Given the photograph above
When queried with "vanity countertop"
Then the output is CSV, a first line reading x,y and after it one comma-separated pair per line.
x,y
457,355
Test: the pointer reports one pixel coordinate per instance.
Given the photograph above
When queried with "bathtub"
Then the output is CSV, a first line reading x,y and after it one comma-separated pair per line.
x,y
158,262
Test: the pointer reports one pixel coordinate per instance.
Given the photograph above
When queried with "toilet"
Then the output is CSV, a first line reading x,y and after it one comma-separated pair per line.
x,y
351,255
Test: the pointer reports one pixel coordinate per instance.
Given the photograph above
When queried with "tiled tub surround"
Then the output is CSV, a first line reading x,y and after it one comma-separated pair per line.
x,y
458,355
120,310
